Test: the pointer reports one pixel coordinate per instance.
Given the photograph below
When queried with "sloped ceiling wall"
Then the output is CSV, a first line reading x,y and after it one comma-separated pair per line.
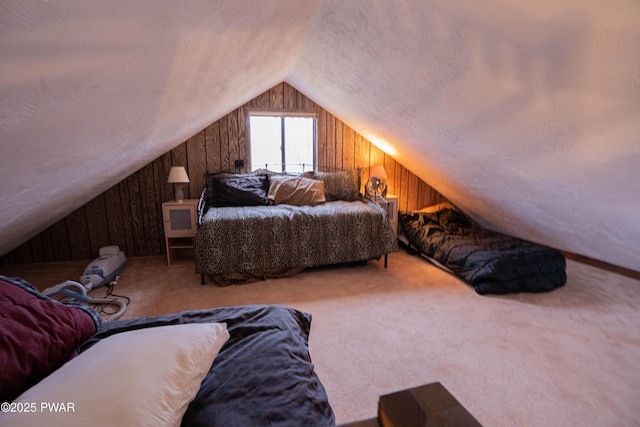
x,y
92,91
527,115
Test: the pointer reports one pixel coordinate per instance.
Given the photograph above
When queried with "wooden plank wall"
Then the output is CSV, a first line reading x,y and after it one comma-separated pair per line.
x,y
129,214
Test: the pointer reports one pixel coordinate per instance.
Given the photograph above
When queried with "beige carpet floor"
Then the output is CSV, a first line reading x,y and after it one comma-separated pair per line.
x,y
566,358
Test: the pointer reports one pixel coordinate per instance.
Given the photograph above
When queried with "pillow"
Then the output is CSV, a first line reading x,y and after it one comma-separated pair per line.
x,y
295,190
454,221
343,185
145,377
438,207
37,334
418,227
237,190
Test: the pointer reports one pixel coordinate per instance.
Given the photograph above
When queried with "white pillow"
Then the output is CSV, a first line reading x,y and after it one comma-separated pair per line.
x,y
295,190
145,377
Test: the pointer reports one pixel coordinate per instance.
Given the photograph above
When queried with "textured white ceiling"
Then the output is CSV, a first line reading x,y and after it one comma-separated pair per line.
x,y
527,115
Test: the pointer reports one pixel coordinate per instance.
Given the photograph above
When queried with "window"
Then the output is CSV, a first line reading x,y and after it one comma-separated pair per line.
x,y
283,143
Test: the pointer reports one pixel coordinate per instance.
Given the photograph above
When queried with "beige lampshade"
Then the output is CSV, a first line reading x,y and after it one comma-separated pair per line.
x,y
378,172
178,174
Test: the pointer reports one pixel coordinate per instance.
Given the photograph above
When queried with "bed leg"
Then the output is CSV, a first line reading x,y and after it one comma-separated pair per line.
x,y
385,260
202,278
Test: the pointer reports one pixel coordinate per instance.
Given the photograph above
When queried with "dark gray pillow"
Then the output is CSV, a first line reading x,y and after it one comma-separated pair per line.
x,y
343,185
237,190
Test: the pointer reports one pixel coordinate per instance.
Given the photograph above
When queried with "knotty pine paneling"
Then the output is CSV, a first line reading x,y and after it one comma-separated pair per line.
x,y
129,214
60,238
197,161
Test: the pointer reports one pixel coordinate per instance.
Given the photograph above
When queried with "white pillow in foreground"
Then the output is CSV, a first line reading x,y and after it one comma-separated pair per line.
x,y
145,377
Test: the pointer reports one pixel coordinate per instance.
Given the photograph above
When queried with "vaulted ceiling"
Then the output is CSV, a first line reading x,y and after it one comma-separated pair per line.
x,y
525,114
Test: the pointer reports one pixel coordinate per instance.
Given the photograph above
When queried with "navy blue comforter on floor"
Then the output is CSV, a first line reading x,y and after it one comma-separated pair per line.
x,y
491,262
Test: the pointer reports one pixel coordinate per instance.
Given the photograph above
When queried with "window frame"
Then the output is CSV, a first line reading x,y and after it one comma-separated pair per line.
x,y
282,115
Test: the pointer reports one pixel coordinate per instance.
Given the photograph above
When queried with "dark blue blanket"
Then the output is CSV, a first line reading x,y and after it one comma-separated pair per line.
x,y
491,262
263,376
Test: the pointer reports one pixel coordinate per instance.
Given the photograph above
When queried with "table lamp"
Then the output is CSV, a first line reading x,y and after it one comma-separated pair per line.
x,y
178,175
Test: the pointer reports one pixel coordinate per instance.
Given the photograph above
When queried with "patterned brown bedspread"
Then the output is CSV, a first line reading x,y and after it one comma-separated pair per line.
x,y
243,244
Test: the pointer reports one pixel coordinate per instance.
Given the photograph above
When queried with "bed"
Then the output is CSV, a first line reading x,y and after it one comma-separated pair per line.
x,y
265,225
491,262
247,365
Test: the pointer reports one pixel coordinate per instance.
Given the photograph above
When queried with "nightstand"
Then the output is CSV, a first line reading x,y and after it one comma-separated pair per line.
x,y
392,210
180,224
